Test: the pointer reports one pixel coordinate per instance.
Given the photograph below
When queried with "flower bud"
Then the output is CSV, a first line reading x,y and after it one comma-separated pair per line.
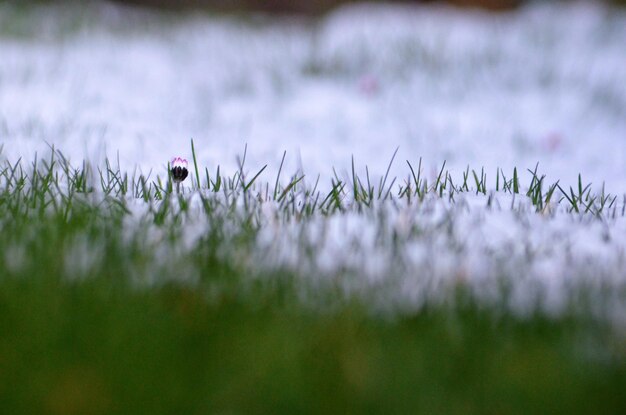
x,y
178,169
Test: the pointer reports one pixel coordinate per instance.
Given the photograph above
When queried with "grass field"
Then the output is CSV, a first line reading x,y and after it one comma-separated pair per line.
x,y
111,303
321,257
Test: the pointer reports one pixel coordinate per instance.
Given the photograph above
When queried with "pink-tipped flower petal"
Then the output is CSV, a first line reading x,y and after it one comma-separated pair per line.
x,y
178,169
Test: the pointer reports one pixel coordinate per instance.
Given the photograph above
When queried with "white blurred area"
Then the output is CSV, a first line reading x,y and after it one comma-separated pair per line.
x,y
543,84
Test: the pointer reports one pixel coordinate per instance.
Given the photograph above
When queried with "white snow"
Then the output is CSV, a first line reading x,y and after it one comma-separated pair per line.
x,y
544,84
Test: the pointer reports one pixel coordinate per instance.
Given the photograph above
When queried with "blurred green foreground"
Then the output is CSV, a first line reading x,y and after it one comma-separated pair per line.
x,y
100,347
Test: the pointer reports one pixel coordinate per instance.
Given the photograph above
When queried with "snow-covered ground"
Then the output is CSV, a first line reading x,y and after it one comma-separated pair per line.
x,y
414,255
542,84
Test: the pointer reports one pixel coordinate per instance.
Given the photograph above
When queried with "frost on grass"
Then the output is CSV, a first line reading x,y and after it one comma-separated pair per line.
x,y
398,245
543,83
407,256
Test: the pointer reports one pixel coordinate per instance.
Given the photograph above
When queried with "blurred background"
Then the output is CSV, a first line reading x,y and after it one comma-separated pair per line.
x,y
303,6
309,6
535,82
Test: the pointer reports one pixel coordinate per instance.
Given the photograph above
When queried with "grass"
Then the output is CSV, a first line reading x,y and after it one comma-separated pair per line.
x,y
107,305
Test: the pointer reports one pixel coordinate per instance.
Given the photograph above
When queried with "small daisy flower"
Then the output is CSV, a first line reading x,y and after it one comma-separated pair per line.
x,y
178,169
